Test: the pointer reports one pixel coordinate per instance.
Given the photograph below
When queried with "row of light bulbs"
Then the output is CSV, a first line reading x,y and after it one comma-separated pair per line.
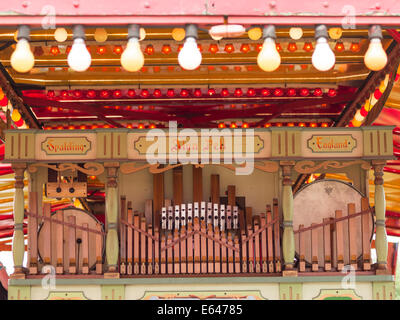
x,y
132,59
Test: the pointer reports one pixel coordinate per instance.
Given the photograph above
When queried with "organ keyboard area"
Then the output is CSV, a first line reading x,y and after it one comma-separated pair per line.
x,y
217,215
199,238
221,235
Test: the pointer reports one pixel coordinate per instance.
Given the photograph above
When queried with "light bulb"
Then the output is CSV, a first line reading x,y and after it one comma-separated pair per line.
x,y
79,58
22,59
375,58
132,58
190,56
269,58
323,58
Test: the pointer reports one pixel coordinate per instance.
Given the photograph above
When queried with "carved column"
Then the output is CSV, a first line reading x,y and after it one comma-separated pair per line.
x,y
288,248
112,245
381,243
18,245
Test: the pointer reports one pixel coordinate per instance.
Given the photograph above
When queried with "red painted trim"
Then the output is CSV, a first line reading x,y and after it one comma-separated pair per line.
x,y
312,20
392,214
394,34
393,234
113,20
391,170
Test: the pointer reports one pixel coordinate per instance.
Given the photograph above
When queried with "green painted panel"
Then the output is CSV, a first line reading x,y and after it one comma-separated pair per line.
x,y
383,290
119,145
290,291
337,294
103,145
113,292
19,292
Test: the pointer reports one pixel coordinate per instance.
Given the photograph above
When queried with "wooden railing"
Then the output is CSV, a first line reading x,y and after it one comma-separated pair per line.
x,y
197,238
336,242
200,238
71,240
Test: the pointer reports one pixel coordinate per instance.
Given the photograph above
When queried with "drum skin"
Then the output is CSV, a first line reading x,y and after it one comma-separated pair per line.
x,y
318,200
81,217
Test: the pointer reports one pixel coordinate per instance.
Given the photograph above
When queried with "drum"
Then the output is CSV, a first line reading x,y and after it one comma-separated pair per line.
x,y
81,217
318,200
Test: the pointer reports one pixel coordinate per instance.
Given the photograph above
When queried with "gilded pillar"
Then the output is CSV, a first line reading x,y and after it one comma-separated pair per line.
x,y
381,243
288,248
18,245
111,202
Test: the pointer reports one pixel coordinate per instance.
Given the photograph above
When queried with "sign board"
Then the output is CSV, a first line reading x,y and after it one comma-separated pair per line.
x,y
200,145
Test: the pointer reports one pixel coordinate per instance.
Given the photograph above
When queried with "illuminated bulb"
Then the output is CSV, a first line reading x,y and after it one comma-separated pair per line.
x,y
132,58
22,59
166,49
375,58
189,57
60,34
213,48
308,46
292,47
269,59
229,48
323,59
79,58
295,33
339,46
117,49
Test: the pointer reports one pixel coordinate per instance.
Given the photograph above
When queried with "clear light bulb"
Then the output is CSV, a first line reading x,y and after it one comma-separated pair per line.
x,y
323,58
269,58
22,59
79,58
190,56
132,58
375,58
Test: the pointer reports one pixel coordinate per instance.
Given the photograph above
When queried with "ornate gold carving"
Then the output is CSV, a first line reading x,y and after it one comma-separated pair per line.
x,y
308,166
19,169
112,174
204,295
378,171
130,167
267,166
89,168
156,169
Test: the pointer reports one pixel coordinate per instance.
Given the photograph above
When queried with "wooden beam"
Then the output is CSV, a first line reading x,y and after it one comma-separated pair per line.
x,y
197,184
178,185
17,102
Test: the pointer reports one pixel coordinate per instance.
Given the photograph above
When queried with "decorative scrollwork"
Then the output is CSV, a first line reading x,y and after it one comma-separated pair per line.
x,y
308,166
130,167
266,166
89,168
155,168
